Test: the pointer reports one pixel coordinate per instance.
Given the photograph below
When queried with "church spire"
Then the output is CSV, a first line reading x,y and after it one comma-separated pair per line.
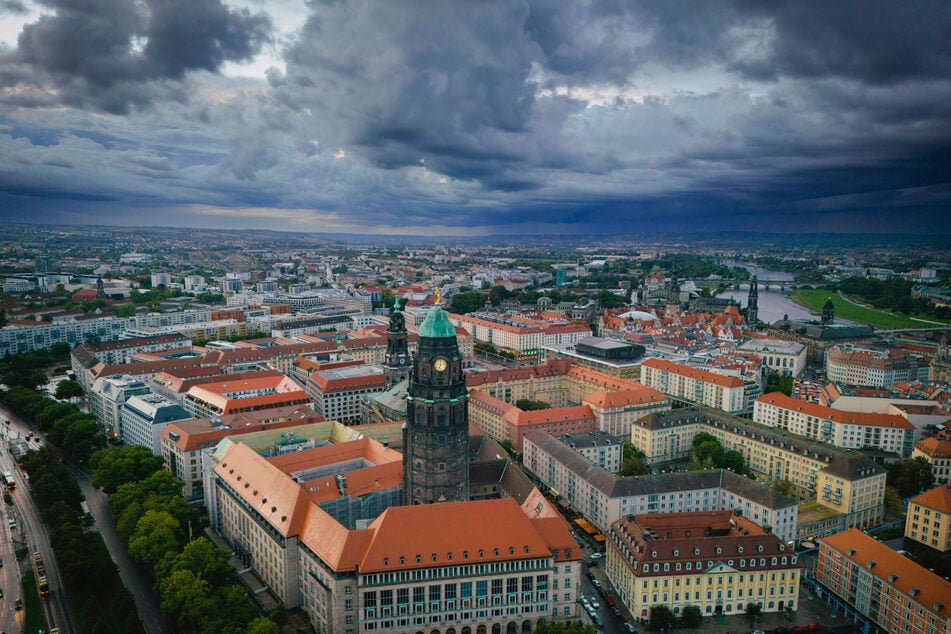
x,y
752,308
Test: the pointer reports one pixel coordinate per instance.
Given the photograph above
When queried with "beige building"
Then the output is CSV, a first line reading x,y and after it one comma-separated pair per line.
x,y
853,487
937,451
769,453
602,497
727,393
785,357
719,561
847,430
929,518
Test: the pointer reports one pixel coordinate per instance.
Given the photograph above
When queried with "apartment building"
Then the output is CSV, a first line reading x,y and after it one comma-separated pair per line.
x,y
602,497
339,394
508,423
602,449
143,418
460,566
770,454
936,451
22,337
929,518
718,561
248,394
123,350
107,397
851,365
727,393
854,488
895,594
848,430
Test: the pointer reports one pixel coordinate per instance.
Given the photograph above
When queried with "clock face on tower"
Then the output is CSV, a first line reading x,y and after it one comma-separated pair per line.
x,y
402,360
440,365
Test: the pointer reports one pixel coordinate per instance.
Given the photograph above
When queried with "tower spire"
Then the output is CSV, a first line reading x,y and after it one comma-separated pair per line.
x,y
752,308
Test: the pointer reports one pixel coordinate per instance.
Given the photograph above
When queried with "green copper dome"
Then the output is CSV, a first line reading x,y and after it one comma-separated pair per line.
x,y
437,325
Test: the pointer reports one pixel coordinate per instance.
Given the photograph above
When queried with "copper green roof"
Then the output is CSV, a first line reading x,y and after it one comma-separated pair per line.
x,y
437,325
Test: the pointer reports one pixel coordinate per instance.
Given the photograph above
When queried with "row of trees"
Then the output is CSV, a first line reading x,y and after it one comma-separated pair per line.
x,y
708,453
893,294
199,590
28,369
776,382
64,424
99,600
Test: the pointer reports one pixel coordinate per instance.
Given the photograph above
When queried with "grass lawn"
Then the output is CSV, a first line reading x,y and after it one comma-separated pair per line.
x,y
34,620
816,298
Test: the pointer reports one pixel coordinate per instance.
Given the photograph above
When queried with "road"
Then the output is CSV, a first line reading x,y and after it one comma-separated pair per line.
x,y
146,603
31,533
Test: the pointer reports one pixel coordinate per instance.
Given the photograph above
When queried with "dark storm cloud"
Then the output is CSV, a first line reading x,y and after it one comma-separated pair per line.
x,y
115,54
597,115
878,41
12,7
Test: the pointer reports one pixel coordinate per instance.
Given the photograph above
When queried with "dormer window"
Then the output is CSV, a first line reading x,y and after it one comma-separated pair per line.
x,y
386,561
465,554
402,560
676,553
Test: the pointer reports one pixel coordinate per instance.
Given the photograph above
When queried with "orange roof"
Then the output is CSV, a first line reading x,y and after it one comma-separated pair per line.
x,y
605,399
456,532
270,492
359,482
935,448
693,373
932,588
836,415
938,498
606,381
552,415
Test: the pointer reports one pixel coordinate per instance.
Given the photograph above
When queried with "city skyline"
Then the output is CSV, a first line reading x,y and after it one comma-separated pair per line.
x,y
483,119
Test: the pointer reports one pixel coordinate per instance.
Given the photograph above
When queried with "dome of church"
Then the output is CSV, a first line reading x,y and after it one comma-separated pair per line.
x,y
638,315
437,325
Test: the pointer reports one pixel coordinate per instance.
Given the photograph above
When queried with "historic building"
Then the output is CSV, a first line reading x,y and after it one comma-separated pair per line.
x,y
436,436
719,561
929,518
397,366
752,304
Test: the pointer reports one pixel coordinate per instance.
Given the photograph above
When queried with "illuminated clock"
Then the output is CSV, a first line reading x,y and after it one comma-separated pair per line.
x,y
440,365
402,360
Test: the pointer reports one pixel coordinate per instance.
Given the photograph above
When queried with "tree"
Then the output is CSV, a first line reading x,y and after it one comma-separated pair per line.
x,y
116,466
911,476
464,303
203,558
527,405
691,617
156,534
661,618
68,389
634,461
782,486
753,612
262,625
893,505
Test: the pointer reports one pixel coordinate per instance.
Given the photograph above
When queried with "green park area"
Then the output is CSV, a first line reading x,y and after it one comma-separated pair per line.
x,y
814,299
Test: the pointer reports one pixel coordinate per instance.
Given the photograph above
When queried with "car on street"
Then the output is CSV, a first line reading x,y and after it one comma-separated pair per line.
x,y
782,630
18,604
595,604
1,593
629,628
597,555
812,627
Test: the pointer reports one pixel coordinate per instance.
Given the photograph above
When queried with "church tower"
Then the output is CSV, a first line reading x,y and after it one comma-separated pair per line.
x,y
396,368
828,312
436,433
673,295
752,310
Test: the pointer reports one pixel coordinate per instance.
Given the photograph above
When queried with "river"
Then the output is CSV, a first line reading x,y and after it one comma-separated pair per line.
x,y
772,304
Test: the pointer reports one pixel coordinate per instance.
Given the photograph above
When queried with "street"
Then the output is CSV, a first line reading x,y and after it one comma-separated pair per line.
x,y
146,603
31,534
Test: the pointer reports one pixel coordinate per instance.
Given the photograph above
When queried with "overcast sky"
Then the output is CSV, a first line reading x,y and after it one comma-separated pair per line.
x,y
478,117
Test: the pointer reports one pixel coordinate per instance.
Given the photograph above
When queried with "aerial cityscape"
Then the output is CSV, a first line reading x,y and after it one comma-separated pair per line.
x,y
475,318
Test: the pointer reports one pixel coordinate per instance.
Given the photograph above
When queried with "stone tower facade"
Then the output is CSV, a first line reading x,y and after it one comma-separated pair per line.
x,y
398,364
436,434
752,308
828,312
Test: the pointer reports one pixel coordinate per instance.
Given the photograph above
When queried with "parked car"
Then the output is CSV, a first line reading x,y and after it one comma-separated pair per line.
x,y
18,604
591,575
616,612
629,628
595,604
1,593
597,555
782,630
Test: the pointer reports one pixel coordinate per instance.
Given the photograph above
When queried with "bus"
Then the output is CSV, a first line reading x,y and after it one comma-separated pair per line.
x,y
8,480
42,583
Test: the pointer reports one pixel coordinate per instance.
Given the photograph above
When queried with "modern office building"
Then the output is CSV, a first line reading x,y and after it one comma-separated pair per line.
x,y
142,419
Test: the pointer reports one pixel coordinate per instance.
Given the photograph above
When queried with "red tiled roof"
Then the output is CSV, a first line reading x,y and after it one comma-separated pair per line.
x,y
839,416
693,373
938,498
